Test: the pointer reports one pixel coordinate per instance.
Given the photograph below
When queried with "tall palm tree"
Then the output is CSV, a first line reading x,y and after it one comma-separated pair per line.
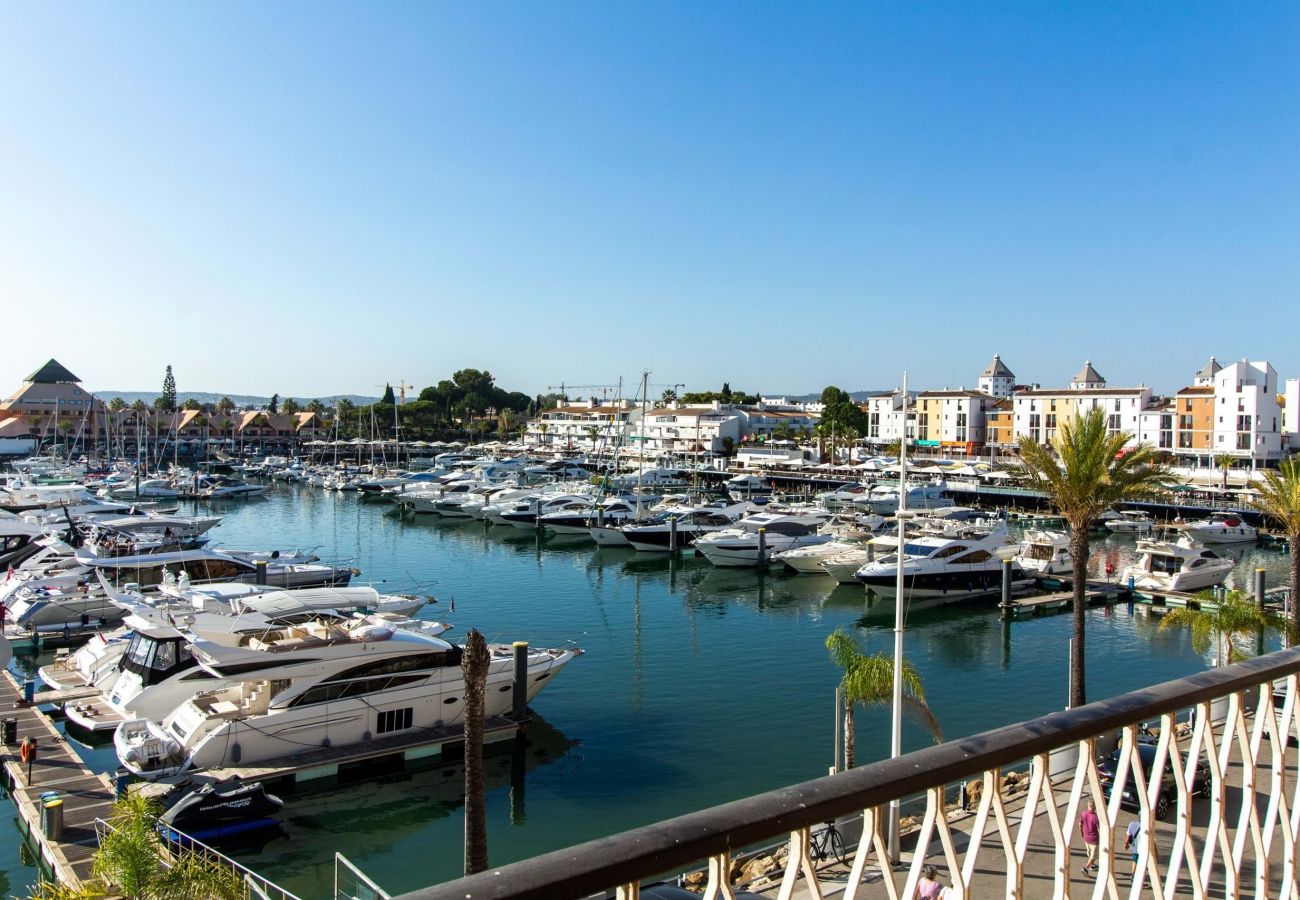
x,y
1084,472
474,664
1279,497
894,448
1224,462
1219,621
869,680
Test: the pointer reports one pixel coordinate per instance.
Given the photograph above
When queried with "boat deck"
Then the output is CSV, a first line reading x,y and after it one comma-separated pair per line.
x,y
86,796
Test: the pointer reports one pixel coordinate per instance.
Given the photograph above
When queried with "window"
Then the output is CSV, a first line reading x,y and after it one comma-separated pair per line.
x,y
1116,406
1112,422
394,720
977,556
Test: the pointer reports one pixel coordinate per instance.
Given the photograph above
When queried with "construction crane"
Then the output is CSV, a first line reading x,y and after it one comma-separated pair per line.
x,y
401,389
563,386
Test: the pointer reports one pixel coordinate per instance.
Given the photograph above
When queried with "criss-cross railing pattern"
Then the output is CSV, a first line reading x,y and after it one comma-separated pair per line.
x,y
1234,760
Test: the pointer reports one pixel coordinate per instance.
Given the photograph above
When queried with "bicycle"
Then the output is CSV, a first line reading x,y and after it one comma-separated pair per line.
x,y
828,841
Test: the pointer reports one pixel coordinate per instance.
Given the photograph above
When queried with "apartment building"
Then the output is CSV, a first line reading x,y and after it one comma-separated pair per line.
x,y
678,429
954,421
1039,412
581,425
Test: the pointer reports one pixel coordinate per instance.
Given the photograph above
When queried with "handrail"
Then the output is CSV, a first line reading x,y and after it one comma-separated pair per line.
x,y
684,841
377,892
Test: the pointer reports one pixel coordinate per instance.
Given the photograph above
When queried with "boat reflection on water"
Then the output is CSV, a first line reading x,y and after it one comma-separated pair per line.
x,y
366,817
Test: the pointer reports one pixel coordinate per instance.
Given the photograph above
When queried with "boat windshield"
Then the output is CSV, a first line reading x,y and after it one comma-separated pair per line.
x,y
1165,565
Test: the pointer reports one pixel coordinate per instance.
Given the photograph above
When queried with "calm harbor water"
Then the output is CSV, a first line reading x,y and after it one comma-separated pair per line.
x,y
698,686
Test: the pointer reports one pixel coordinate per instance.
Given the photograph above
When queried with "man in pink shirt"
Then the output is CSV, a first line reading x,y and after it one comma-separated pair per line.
x,y
1090,828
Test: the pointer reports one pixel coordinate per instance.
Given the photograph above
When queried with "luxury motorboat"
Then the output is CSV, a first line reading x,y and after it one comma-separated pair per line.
x,y
148,489
525,513
938,568
1129,521
19,540
1045,553
1181,565
747,487
843,496
219,487
844,566
808,560
153,672
203,566
656,535
321,683
883,499
753,540
609,511
1220,528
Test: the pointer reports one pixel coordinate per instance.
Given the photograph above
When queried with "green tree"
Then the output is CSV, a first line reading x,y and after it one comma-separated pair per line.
x,y
139,406
290,406
1224,462
593,435
117,404
668,396
273,407
389,397
191,404
894,448
166,401
724,395
1278,496
1225,625
728,446
868,679
1084,472
316,407
225,406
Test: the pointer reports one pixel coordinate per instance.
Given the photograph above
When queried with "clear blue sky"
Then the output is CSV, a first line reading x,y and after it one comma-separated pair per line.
x,y
312,198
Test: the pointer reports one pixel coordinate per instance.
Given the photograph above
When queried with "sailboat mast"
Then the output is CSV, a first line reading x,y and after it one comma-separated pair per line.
x,y
896,732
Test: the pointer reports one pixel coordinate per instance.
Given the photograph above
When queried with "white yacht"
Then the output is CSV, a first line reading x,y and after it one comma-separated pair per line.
x,y
843,496
1129,521
883,498
203,566
1181,565
753,540
153,671
1220,528
148,489
321,683
808,560
844,566
747,487
19,540
219,487
1045,553
938,568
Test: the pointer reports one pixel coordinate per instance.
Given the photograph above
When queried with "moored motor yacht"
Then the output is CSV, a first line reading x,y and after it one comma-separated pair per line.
x,y
1045,553
940,568
747,487
320,683
1181,565
808,560
1220,528
883,499
1129,521
753,540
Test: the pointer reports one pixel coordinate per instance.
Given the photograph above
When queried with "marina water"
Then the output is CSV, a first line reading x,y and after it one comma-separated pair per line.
x,y
699,685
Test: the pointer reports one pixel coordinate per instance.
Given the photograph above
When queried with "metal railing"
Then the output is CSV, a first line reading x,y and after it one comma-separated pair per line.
x,y
350,883
1241,720
256,887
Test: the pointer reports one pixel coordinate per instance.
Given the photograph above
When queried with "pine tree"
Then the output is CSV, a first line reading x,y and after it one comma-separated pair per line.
x,y
167,400
274,406
388,397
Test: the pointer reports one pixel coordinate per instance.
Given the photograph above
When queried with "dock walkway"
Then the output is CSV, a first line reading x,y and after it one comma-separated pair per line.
x,y
86,796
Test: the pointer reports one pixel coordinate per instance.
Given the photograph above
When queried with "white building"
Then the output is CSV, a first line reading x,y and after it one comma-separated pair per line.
x,y
1039,412
1247,417
997,380
885,417
683,430
581,426
1291,413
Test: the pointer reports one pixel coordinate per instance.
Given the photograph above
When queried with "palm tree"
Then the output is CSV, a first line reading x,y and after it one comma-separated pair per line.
x,y
869,679
593,434
783,432
1279,497
1218,622
474,664
1224,462
1084,472
894,448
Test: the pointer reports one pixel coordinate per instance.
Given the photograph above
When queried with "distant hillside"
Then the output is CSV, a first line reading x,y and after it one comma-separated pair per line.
x,y
243,401
856,396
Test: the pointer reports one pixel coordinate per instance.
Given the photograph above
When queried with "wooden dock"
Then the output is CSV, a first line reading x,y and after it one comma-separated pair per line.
x,y
86,796
1096,593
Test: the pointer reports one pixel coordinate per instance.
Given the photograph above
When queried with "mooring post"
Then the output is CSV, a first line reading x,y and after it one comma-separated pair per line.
x,y
1260,578
260,567
519,708
762,546
1006,588
672,535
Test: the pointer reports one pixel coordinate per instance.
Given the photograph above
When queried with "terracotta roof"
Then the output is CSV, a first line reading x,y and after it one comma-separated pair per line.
x,y
1081,392
52,373
688,411
1207,389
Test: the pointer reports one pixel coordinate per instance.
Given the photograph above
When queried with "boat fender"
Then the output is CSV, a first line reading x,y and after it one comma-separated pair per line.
x,y
236,752
326,742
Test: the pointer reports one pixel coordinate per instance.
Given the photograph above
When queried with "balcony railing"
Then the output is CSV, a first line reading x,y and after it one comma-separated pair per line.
x,y
1237,839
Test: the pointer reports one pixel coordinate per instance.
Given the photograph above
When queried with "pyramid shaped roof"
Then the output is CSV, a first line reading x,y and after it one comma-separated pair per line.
x,y
1088,375
52,372
997,369
1211,369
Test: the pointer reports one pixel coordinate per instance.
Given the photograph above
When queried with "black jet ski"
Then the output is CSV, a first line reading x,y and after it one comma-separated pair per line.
x,y
219,809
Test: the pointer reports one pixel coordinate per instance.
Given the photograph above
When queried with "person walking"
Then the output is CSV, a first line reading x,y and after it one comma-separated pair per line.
x,y
1090,828
929,887
1132,843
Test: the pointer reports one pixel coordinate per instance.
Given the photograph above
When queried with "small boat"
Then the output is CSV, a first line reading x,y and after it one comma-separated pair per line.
x,y
1220,528
219,809
1129,521
1181,565
1045,553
